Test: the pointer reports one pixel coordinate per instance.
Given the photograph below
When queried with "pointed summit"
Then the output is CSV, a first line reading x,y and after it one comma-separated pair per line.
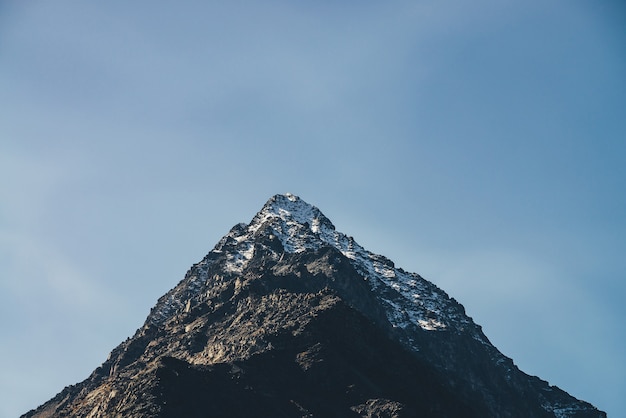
x,y
292,219
289,207
287,316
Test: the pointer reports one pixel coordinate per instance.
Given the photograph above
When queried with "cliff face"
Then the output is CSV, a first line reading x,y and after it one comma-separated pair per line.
x,y
288,317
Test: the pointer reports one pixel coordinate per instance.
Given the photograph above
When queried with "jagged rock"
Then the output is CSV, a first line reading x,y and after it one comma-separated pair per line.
x,y
288,317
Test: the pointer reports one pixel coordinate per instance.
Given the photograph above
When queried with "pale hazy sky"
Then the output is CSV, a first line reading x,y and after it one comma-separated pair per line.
x,y
481,144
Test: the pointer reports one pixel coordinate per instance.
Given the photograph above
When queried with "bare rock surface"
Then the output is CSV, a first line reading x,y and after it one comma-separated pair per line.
x,y
287,317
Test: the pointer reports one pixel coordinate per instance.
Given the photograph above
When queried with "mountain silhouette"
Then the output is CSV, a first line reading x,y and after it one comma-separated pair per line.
x,y
287,317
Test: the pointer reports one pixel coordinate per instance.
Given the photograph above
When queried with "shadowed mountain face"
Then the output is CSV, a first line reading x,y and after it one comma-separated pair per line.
x,y
287,317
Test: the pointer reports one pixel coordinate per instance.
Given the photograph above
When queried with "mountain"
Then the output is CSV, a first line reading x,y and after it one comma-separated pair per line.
x,y
287,317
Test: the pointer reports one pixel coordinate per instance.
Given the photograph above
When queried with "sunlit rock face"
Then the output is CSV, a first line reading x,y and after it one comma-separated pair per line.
x,y
288,317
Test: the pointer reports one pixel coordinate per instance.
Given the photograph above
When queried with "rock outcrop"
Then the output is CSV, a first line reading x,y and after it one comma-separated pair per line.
x,y
288,317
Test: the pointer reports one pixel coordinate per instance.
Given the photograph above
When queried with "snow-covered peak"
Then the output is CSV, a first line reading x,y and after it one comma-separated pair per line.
x,y
409,299
291,209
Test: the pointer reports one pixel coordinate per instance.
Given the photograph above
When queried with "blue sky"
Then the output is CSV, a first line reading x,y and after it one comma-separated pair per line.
x,y
481,145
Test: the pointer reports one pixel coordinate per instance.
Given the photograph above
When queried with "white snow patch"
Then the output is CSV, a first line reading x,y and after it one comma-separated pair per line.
x,y
431,324
237,261
561,411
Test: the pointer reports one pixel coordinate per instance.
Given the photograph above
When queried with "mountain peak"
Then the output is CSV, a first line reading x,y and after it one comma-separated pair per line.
x,y
285,306
291,209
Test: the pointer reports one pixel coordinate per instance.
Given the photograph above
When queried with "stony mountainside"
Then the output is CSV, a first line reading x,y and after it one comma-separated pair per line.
x,y
288,317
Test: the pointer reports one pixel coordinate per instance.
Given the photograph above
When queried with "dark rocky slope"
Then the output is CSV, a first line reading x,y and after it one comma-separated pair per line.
x,y
288,317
